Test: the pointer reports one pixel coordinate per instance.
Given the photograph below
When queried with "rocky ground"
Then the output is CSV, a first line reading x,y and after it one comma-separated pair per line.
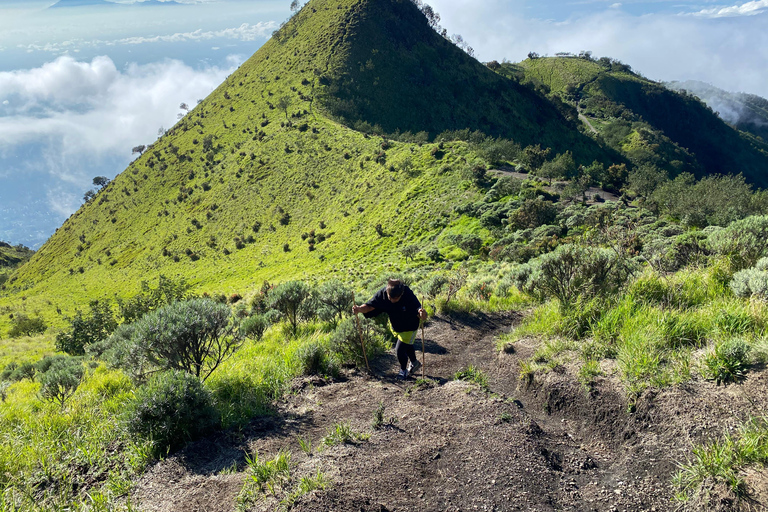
x,y
449,445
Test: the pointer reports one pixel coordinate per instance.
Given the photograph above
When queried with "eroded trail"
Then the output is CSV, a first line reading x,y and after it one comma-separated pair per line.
x,y
450,446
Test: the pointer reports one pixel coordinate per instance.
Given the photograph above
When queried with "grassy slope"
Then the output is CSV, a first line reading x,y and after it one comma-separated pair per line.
x,y
683,119
183,200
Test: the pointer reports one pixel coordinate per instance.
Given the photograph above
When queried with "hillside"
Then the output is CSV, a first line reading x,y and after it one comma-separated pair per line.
x,y
230,195
649,123
745,112
11,255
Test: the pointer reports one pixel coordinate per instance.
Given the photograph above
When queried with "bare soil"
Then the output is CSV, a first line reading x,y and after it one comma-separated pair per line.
x,y
452,446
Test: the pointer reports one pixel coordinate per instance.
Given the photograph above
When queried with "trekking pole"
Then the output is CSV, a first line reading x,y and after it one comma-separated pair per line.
x,y
360,332
423,350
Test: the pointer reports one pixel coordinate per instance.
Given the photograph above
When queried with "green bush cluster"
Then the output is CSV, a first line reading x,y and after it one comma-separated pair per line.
x,y
752,282
345,340
22,325
171,409
572,272
194,336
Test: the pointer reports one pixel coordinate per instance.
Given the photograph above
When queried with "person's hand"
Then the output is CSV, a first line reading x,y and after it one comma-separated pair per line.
x,y
422,314
357,309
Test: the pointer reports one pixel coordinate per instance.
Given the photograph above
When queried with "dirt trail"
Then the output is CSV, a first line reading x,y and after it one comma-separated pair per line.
x,y
450,446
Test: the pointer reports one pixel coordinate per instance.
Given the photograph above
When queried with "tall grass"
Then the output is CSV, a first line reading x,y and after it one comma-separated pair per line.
x,y
724,460
653,329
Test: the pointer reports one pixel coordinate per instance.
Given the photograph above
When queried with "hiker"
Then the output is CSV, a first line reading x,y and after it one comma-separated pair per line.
x,y
405,311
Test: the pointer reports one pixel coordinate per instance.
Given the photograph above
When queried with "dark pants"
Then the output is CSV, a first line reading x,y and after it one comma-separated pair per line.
x,y
404,352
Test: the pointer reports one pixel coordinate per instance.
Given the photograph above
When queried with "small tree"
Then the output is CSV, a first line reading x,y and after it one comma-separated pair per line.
x,y
61,380
100,181
194,336
90,194
572,272
283,103
138,149
334,299
535,157
293,299
87,329
22,325
184,106
168,291
409,252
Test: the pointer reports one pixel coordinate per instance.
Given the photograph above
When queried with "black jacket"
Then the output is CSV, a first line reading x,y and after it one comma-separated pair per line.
x,y
403,314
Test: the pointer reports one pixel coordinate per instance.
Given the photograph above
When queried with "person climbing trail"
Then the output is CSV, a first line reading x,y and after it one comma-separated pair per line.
x,y
405,313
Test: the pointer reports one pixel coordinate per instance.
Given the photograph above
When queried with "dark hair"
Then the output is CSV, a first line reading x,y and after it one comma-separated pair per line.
x,y
395,288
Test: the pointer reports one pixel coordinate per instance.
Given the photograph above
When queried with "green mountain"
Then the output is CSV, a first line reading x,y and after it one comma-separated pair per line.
x,y
649,123
11,255
261,181
745,112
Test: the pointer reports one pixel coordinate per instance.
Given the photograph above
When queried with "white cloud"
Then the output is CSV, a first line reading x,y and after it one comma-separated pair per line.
x,y
67,121
187,2
731,53
245,32
746,9
93,106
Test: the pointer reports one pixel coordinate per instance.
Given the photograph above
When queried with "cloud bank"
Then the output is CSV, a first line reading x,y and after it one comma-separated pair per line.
x,y
67,121
747,9
245,32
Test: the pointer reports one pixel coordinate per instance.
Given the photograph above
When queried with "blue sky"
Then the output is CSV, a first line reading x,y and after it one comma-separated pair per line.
x,y
84,81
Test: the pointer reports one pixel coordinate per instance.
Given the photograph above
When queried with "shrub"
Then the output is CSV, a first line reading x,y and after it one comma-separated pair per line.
x,y
333,299
409,251
481,289
167,291
120,350
253,327
87,329
194,336
172,409
314,360
433,285
727,362
61,379
433,254
571,272
26,370
8,370
532,214
345,340
750,282
744,241
22,325
293,299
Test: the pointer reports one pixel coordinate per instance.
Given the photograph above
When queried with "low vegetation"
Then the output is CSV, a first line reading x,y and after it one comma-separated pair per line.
x,y
141,326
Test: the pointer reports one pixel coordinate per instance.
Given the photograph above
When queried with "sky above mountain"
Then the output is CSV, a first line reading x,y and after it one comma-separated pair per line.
x,y
84,81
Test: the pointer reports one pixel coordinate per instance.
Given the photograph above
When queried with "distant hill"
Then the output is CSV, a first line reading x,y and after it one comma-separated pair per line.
x,y
11,255
745,112
648,122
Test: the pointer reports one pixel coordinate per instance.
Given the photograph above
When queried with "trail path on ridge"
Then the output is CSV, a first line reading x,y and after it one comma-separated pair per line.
x,y
449,447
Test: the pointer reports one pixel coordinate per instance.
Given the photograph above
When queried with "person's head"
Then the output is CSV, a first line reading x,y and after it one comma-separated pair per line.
x,y
395,289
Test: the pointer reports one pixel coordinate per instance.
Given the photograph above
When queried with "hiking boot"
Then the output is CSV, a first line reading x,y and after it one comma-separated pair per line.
x,y
413,366
402,375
